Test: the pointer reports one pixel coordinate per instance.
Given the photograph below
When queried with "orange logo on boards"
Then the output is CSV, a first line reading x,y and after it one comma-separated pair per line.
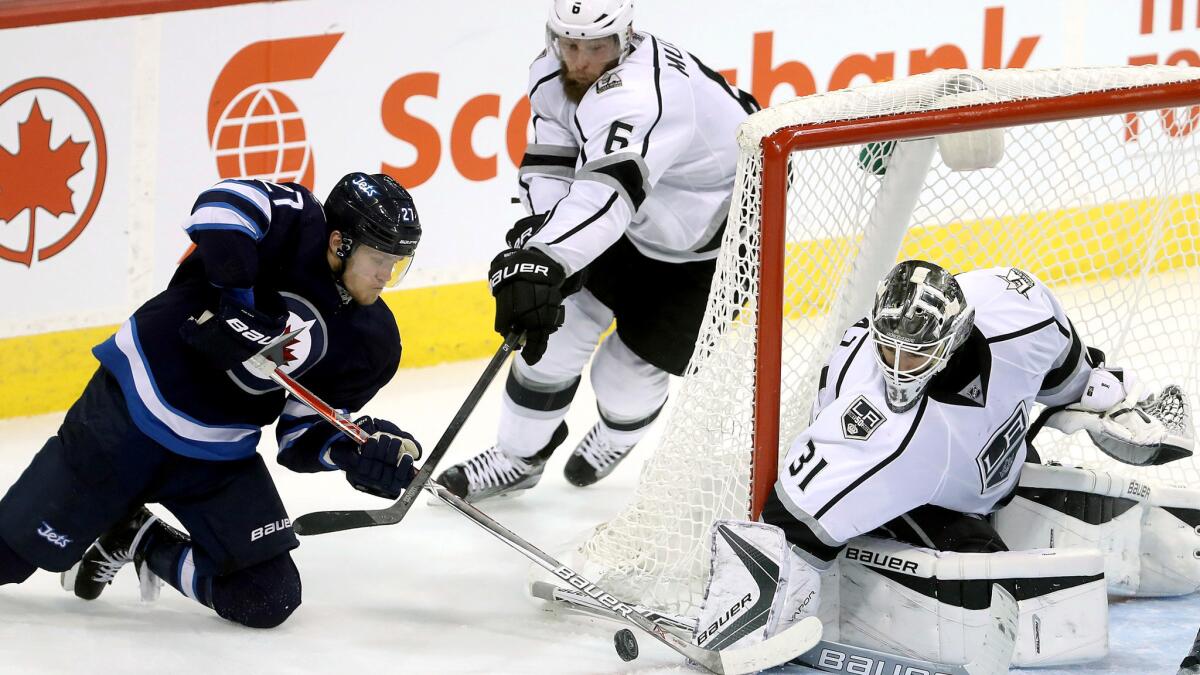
x,y
53,161
254,129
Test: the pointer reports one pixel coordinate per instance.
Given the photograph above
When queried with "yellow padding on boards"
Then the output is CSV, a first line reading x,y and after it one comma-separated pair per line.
x,y
45,373
1074,245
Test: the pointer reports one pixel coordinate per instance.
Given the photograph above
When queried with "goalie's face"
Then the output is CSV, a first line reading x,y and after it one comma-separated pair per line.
x,y
907,368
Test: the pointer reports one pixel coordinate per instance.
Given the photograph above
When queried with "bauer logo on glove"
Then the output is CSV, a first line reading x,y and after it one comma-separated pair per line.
x,y
519,268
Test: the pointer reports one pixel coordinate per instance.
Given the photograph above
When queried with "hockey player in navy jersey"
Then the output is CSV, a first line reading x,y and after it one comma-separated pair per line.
x,y
173,417
628,182
918,432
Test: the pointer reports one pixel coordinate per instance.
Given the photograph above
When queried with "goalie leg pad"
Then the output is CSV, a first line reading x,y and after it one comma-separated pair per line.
x,y
757,586
1170,552
1146,531
934,605
1069,508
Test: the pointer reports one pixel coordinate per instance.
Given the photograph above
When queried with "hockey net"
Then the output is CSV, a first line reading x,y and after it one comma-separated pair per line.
x,y
1097,193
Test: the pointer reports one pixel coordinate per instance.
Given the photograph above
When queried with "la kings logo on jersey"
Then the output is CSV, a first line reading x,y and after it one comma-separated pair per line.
x,y
861,420
1018,281
996,460
608,81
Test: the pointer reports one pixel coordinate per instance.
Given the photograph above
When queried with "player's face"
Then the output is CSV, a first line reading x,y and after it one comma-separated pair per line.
x,y
584,61
369,271
906,361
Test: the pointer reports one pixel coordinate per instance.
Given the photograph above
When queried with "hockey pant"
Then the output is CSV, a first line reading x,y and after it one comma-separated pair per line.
x,y
629,391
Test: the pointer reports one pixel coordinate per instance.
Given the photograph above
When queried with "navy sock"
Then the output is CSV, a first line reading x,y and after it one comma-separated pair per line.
x,y
13,568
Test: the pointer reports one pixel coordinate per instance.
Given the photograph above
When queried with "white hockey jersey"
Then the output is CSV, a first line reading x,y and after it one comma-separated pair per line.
x,y
860,465
650,152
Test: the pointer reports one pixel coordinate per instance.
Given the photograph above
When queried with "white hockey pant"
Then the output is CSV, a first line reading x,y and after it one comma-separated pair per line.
x,y
629,391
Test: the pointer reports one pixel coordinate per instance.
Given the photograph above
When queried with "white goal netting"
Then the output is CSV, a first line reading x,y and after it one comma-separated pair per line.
x,y
1097,193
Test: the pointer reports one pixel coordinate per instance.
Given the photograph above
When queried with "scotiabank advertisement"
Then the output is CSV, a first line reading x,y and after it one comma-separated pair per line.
x,y
110,128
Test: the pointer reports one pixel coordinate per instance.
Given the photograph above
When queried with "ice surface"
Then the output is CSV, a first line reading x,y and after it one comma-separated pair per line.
x,y
433,594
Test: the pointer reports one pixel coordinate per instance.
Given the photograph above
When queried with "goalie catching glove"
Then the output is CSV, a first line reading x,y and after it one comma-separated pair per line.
x,y
1126,424
383,466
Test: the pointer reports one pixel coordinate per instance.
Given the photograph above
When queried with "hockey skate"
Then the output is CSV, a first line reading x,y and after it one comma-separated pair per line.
x,y
594,458
113,550
493,472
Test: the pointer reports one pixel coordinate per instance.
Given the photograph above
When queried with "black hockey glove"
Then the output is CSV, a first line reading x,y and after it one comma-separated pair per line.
x,y
527,285
233,334
383,466
518,235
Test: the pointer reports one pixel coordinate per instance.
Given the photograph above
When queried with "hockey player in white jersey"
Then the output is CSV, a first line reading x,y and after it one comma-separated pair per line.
x,y
919,431
628,182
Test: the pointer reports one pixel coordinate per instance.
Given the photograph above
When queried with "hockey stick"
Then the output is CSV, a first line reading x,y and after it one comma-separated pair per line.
x,y
323,522
835,657
767,654
1191,663
778,650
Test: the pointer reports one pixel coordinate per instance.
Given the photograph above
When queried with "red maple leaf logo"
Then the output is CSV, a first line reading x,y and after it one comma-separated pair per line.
x,y
36,176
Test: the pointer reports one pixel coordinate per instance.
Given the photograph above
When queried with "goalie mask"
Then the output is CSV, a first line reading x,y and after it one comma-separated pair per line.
x,y
919,319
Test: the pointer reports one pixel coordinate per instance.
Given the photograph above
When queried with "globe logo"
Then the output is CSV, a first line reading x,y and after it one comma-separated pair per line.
x,y
261,135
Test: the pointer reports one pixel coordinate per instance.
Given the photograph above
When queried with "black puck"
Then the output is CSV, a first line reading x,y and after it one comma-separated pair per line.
x,y
626,644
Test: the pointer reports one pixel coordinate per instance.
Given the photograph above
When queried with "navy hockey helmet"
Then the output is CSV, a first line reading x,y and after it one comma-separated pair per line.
x,y
919,319
374,210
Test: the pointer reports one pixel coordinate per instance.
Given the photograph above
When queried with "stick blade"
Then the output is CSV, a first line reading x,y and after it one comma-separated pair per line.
x,y
775,651
996,653
324,522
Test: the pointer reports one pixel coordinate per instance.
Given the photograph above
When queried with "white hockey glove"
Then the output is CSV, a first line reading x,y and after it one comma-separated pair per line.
x,y
1128,425
757,587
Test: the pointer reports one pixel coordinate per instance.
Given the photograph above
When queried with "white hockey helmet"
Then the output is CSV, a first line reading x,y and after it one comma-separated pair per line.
x,y
588,20
919,319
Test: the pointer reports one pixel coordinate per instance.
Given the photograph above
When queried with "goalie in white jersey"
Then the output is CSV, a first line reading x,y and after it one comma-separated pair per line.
x,y
919,430
628,180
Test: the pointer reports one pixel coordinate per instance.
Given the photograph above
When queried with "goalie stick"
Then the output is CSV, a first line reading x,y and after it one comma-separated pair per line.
x,y
776,651
323,522
829,656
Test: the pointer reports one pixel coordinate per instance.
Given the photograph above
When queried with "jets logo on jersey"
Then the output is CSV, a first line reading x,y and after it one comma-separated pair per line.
x,y
1018,281
608,81
861,420
300,354
996,460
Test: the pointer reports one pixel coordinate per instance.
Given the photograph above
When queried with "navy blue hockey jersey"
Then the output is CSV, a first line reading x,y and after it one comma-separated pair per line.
x,y
347,353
